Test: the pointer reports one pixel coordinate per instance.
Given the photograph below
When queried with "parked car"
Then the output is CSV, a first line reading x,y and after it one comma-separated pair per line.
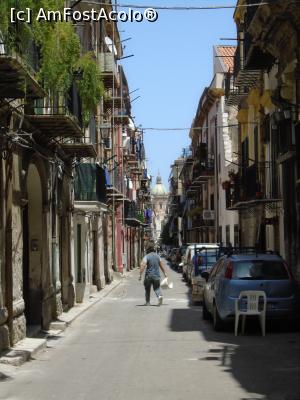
x,y
175,258
237,272
185,258
182,253
206,258
190,267
168,255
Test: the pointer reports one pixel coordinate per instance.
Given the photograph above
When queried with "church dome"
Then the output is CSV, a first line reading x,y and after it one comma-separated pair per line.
x,y
159,189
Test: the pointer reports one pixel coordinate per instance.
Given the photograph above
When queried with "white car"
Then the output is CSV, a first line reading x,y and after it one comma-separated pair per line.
x,y
188,266
207,259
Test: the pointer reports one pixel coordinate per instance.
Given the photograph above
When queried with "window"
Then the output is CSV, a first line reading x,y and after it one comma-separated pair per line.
x,y
217,267
260,270
160,205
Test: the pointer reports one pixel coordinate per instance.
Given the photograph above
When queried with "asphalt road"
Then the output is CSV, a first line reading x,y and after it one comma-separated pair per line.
x,y
121,350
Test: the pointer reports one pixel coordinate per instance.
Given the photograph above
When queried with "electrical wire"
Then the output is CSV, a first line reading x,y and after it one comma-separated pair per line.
x,y
185,8
199,128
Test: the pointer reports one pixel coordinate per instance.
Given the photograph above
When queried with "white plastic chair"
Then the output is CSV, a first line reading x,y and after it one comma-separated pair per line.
x,y
253,307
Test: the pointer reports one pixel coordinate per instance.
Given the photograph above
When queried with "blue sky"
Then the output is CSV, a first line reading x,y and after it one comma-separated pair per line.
x,y
172,64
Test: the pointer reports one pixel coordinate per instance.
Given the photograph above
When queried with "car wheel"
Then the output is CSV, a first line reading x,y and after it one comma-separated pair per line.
x,y
217,321
205,313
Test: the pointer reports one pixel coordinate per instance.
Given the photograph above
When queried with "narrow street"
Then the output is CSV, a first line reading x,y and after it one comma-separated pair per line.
x,y
120,349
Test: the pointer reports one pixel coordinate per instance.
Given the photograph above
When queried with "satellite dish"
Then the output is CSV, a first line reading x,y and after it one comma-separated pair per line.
x,y
111,47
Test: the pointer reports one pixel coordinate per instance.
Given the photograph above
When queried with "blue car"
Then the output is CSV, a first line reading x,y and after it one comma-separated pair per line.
x,y
237,272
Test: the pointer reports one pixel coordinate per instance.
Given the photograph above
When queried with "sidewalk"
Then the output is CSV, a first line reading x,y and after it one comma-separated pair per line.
x,y
27,348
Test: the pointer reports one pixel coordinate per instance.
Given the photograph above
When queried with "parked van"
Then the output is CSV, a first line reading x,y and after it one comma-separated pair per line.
x,y
188,266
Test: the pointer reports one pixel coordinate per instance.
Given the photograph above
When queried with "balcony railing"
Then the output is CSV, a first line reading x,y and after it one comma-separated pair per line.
x,y
255,185
79,147
18,68
200,152
116,180
133,215
109,69
204,169
58,116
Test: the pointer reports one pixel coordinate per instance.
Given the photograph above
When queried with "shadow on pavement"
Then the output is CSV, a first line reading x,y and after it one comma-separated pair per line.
x,y
4,377
267,366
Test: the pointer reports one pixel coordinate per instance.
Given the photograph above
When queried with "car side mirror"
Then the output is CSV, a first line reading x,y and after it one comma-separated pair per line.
x,y
205,275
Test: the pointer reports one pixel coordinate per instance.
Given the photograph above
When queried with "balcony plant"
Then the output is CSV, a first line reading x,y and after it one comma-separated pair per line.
x,y
59,49
90,86
195,212
226,185
233,176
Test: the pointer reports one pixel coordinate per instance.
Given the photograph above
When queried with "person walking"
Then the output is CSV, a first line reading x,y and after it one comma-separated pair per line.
x,y
152,263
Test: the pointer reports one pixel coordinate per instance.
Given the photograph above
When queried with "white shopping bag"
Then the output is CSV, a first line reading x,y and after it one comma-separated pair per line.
x,y
165,284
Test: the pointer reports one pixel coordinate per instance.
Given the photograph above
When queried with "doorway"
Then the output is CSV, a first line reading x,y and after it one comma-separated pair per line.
x,y
32,249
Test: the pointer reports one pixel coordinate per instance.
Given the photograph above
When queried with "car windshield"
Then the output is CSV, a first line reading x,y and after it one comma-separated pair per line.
x,y
260,270
209,257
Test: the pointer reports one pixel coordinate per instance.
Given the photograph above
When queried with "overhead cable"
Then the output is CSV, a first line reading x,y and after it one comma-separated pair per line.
x,y
185,8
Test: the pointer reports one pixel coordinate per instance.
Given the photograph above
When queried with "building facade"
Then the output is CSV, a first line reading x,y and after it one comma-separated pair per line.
x,y
73,180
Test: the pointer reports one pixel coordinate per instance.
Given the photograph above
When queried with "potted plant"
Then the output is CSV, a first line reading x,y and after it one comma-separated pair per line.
x,y
232,175
226,185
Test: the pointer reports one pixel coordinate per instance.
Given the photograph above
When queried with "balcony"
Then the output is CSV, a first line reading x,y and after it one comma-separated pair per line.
x,y
109,70
59,117
245,77
120,118
80,148
200,152
112,100
203,170
133,216
90,183
198,223
248,191
116,186
233,94
254,57
18,70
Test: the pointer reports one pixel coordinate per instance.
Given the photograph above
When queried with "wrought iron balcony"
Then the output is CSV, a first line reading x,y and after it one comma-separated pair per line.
x,y
109,70
247,190
203,170
112,100
120,118
116,179
133,216
18,68
57,117
79,148
200,153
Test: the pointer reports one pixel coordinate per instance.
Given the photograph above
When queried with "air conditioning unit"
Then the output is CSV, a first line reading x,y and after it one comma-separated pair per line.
x,y
208,215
